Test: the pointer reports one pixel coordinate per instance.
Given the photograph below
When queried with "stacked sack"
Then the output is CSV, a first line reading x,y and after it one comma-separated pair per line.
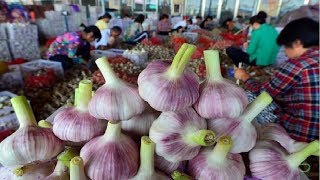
x,y
4,47
23,40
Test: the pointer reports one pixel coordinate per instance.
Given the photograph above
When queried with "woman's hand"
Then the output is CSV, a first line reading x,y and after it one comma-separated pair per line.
x,y
241,74
245,45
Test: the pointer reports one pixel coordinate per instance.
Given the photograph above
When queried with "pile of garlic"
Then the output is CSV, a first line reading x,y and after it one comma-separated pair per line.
x,y
177,120
139,57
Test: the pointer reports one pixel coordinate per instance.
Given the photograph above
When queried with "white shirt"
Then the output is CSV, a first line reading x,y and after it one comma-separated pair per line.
x,y
105,36
182,23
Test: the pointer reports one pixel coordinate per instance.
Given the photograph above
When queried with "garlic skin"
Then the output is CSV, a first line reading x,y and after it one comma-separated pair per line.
x,y
140,124
219,97
115,100
74,126
169,167
112,156
170,87
269,160
31,171
179,135
218,163
241,130
29,143
276,132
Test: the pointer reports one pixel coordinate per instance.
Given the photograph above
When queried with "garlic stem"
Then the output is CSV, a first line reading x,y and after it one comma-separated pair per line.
x,y
176,175
84,95
180,61
221,150
77,169
113,130
45,124
23,111
254,108
106,71
60,168
212,61
201,137
147,155
295,159
18,171
66,156
76,96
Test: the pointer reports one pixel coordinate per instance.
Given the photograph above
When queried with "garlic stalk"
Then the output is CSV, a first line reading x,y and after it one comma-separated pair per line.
x,y
170,88
180,135
66,156
116,100
276,132
60,172
218,164
29,143
219,97
176,175
45,124
110,156
77,169
269,160
146,170
75,124
28,172
140,124
241,130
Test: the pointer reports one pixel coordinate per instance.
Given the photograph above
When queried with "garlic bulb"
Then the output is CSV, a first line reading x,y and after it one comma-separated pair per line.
x,y
218,164
146,170
115,100
219,97
269,160
77,169
170,88
140,124
75,124
241,130
29,143
169,167
111,156
180,135
276,132
28,172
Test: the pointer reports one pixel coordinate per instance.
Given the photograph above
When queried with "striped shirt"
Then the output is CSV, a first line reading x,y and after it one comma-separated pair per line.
x,y
295,87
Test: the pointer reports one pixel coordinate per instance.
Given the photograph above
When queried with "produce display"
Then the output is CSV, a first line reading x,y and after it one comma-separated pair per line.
x,y
40,79
181,112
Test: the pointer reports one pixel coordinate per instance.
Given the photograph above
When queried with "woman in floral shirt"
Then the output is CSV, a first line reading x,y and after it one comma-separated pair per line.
x,y
73,47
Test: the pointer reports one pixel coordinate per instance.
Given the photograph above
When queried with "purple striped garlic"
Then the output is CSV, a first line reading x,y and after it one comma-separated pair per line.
x,y
111,156
179,135
75,124
29,143
140,124
169,167
146,170
241,130
218,164
77,169
269,160
219,97
116,100
170,87
276,132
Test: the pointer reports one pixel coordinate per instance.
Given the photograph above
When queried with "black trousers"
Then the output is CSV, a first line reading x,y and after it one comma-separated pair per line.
x,y
66,62
237,56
